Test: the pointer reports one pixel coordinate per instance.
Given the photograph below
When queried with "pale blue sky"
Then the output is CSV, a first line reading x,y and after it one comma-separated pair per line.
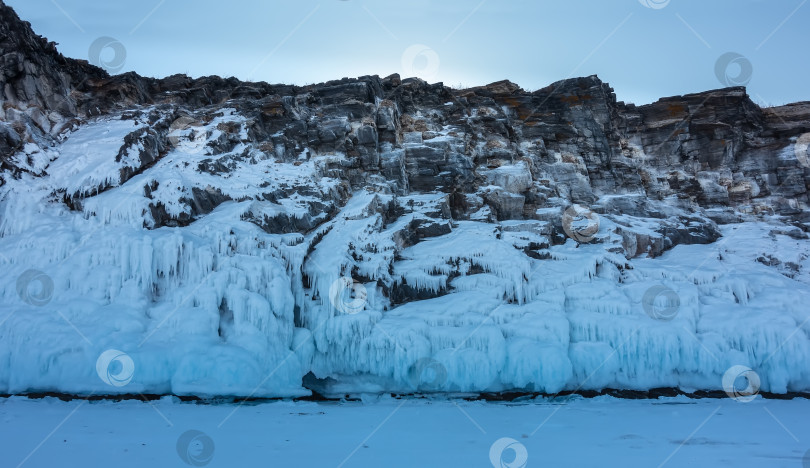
x,y
663,48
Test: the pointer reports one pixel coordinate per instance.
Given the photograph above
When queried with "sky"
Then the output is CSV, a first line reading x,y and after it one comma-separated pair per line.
x,y
645,49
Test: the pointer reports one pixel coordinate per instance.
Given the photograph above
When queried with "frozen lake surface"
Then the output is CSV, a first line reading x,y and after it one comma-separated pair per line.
x,y
576,432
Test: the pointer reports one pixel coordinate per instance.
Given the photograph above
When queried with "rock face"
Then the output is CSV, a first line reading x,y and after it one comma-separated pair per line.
x,y
570,142
501,153
415,190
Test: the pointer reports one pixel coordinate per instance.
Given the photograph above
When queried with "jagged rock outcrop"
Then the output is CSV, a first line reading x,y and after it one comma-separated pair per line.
x,y
501,152
571,139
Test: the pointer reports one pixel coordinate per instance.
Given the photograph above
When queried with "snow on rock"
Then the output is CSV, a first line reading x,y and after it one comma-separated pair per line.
x,y
215,267
89,160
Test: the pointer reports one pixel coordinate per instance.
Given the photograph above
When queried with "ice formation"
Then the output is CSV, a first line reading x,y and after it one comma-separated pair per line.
x,y
220,306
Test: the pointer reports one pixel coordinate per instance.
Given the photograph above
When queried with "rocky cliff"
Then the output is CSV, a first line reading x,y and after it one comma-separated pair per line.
x,y
349,179
571,140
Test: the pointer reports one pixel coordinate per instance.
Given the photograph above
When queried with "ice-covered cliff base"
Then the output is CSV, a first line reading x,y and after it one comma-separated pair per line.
x,y
390,294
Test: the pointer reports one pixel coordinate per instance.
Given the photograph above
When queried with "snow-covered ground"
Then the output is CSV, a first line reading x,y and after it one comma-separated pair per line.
x,y
579,432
